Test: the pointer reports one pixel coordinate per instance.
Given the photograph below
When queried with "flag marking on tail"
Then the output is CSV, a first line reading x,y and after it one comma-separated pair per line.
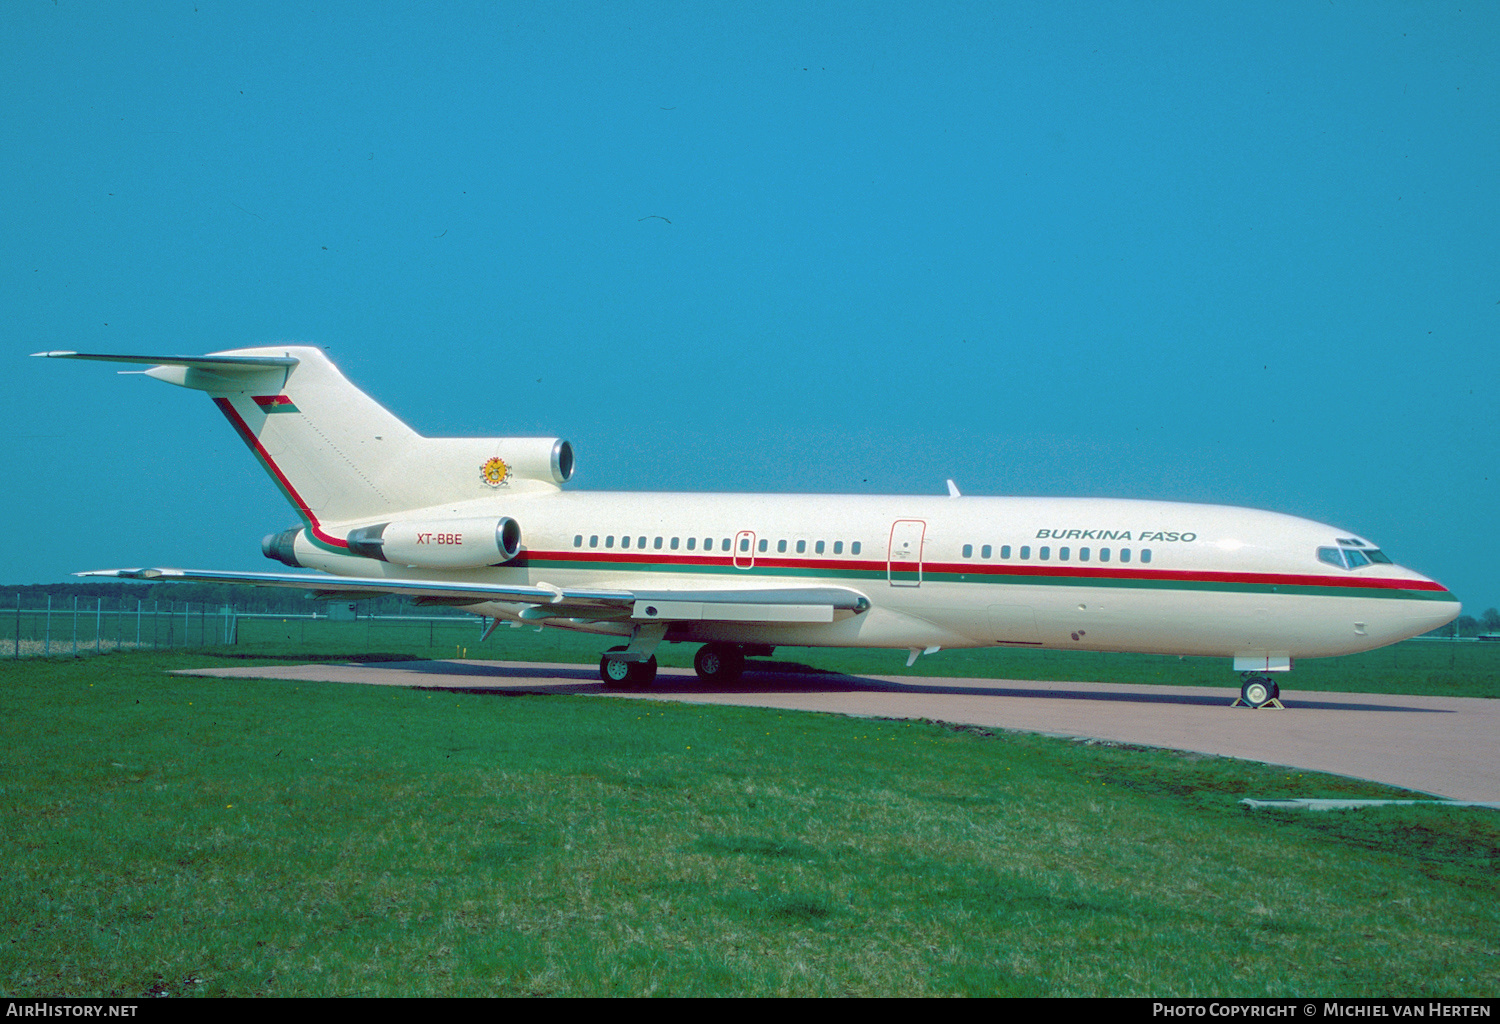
x,y
274,403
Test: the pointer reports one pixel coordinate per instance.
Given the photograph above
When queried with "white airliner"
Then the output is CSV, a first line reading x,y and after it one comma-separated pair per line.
x,y
483,524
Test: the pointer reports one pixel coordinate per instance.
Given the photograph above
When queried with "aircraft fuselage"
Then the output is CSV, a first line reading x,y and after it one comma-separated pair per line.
x,y
1060,573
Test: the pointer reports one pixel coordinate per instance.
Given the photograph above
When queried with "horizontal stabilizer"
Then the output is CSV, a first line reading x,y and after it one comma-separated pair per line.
x,y
219,364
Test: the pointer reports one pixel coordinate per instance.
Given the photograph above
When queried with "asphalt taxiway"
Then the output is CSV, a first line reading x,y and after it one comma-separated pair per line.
x,y
1443,746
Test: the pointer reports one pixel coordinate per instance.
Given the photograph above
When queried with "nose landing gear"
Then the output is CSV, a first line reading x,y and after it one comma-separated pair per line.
x,y
1259,692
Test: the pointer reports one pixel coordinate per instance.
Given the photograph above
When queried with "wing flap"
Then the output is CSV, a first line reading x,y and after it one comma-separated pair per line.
x,y
730,611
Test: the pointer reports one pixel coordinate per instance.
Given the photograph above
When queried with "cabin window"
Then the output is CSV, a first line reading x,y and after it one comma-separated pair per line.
x,y
708,543
1004,550
818,547
1124,554
984,552
674,543
578,541
838,547
1044,553
692,543
1104,554
1145,554
968,551
624,542
609,541
657,544
642,543
744,543
763,545
1025,551
1083,554
854,548
1062,554
781,546
801,546
594,541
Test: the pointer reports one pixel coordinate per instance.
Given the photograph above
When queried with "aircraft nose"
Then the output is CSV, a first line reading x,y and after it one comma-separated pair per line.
x,y
1435,613
1442,613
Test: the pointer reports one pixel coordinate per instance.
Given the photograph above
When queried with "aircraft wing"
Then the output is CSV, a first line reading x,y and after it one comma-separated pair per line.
x,y
734,604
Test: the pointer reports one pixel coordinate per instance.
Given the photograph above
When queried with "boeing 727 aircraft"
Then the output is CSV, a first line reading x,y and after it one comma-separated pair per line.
x,y
484,524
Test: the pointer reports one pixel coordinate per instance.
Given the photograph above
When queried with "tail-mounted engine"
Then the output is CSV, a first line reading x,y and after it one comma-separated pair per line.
x,y
433,544
440,544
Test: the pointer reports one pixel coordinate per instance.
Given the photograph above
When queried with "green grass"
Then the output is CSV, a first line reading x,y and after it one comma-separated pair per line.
x,y
192,836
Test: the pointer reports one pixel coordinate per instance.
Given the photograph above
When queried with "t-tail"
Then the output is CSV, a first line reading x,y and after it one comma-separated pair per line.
x,y
339,456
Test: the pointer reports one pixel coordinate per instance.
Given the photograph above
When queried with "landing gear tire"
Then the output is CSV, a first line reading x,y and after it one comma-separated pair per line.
x,y
1258,690
626,675
719,663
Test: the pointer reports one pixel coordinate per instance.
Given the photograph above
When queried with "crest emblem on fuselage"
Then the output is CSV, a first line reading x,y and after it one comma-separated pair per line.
x,y
494,471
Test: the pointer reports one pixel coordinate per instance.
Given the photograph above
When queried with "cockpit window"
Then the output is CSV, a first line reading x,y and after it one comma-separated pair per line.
x,y
1352,558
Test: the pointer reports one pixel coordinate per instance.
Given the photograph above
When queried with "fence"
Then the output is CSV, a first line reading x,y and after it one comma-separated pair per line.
x,y
84,626
81,626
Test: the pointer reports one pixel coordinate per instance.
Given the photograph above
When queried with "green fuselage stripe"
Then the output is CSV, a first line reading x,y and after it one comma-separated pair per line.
x,y
1140,579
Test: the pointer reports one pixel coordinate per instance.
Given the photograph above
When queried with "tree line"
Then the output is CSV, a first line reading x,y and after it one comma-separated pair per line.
x,y
1468,625
244,600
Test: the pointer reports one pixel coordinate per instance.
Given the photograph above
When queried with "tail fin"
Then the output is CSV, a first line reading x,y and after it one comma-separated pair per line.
x,y
337,454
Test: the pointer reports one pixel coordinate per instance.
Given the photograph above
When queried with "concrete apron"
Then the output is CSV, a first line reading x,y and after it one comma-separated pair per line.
x,y
1444,746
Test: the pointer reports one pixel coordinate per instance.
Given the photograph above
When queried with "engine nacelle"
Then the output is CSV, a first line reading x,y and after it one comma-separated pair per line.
x,y
459,468
440,543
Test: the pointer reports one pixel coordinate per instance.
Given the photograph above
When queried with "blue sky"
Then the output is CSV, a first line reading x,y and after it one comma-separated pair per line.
x,y
1234,253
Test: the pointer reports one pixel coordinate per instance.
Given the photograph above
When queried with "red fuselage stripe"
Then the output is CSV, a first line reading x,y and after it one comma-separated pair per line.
x,y
248,436
726,561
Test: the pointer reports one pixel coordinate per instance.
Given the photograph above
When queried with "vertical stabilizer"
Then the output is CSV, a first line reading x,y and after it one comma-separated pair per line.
x,y
338,455
321,439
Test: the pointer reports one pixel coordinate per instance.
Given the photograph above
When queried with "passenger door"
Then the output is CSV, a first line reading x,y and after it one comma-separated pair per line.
x,y
903,560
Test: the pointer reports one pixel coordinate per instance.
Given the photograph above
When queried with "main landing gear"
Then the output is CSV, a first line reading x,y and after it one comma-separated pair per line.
x,y
719,663
716,664
1258,692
